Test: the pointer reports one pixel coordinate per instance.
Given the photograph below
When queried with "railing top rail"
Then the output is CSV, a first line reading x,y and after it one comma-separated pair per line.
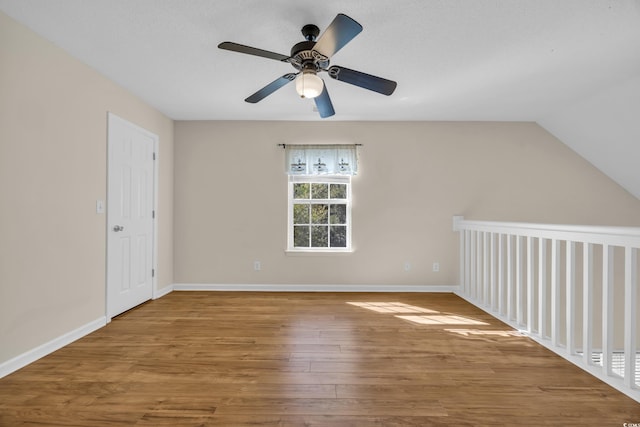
x,y
563,231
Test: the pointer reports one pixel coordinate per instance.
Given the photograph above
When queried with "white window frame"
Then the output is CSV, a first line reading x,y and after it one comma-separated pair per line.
x,y
324,179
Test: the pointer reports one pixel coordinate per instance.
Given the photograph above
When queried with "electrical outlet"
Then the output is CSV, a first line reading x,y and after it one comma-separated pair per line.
x,y
256,265
407,266
436,266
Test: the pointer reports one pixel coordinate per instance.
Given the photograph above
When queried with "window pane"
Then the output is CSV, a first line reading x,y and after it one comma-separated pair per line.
x,y
319,236
301,214
319,191
338,236
301,191
338,214
301,236
338,191
319,214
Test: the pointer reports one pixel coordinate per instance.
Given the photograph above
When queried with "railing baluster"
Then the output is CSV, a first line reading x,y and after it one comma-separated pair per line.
x,y
587,300
509,277
570,265
519,280
493,280
479,284
555,292
472,274
530,275
485,269
542,287
630,294
462,253
467,262
607,307
501,308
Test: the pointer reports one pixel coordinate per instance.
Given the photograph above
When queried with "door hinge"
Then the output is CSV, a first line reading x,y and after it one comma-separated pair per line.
x,y
153,214
154,156
153,272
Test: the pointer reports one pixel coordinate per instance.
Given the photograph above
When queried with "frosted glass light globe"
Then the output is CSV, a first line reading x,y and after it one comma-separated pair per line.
x,y
309,85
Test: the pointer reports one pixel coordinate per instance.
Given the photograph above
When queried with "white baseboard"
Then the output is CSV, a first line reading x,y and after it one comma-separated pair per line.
x,y
32,355
311,288
162,292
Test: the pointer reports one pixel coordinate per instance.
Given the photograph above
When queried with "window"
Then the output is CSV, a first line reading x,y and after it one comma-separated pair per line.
x,y
319,209
319,214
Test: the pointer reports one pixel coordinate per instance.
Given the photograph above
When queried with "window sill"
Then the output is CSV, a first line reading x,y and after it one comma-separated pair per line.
x,y
318,253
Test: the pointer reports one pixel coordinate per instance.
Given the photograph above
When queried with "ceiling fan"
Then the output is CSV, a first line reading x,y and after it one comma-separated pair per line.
x,y
311,57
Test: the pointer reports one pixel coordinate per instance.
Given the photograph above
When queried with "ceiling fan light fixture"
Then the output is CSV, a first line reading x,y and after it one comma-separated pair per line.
x,y
309,85
313,56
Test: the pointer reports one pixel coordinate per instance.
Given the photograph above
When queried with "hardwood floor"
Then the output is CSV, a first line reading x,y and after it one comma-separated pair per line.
x,y
307,359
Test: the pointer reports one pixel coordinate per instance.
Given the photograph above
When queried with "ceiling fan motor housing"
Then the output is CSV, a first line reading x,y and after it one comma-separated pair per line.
x,y
302,54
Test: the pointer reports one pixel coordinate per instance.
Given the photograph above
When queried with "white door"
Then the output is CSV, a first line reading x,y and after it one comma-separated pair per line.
x,y
130,215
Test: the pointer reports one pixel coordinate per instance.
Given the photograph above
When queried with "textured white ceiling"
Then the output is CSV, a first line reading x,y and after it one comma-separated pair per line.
x,y
571,65
452,59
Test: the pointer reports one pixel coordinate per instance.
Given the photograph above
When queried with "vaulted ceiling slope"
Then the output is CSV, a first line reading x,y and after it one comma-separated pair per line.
x,y
573,66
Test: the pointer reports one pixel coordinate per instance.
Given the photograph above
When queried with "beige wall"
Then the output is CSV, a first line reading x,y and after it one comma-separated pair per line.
x,y
230,197
53,121
230,193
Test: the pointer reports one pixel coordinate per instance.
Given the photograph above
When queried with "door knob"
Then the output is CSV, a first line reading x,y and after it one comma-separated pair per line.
x,y
118,228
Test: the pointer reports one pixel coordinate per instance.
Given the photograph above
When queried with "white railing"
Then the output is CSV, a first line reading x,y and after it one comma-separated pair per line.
x,y
573,289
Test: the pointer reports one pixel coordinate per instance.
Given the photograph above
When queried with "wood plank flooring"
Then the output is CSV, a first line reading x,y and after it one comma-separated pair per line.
x,y
307,359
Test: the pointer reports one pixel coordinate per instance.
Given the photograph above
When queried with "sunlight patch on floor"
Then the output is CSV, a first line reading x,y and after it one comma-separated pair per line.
x,y
391,307
442,320
415,314
473,332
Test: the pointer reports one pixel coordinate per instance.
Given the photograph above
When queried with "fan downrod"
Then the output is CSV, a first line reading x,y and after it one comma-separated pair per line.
x,y
310,32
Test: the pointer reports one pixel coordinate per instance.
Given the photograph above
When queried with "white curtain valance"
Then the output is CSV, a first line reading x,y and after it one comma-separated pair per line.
x,y
321,159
